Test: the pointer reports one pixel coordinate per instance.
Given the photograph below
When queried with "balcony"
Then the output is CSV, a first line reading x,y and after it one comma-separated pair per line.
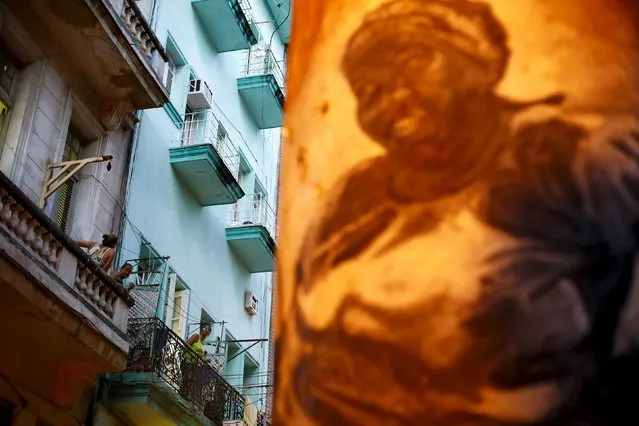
x,y
282,13
251,233
206,160
228,23
73,315
123,50
261,87
160,387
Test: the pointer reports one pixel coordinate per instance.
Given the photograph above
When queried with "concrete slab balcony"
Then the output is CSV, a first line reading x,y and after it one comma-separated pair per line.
x,y
53,296
206,160
160,386
250,233
261,87
228,23
282,12
106,48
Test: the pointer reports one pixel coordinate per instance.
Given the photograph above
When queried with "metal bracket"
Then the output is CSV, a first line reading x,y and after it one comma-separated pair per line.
x,y
255,342
53,182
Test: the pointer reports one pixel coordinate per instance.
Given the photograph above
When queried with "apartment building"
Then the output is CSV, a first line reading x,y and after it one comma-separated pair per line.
x,y
199,226
72,75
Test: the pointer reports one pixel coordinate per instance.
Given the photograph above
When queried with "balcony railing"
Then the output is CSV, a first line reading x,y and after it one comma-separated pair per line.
x,y
141,31
156,349
245,5
253,209
261,61
24,224
202,128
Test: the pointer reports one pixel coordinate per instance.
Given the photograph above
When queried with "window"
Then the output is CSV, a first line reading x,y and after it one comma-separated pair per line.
x,y
150,264
240,214
251,378
64,197
177,305
8,75
173,77
221,133
169,75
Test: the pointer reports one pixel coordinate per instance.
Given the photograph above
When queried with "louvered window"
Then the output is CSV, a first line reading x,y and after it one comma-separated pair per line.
x,y
169,73
65,193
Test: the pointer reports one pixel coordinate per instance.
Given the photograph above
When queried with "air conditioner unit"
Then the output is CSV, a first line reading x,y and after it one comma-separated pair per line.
x,y
200,96
251,304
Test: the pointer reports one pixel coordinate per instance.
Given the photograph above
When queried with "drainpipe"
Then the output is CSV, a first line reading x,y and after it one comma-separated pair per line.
x,y
127,188
271,334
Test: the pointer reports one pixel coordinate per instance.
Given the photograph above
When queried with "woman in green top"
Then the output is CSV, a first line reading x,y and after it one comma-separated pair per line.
x,y
196,342
189,367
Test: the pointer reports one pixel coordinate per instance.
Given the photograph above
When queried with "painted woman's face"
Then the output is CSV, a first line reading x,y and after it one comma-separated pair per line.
x,y
401,111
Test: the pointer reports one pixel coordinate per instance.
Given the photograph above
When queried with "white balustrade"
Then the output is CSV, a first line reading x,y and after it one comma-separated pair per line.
x,y
203,127
40,237
252,209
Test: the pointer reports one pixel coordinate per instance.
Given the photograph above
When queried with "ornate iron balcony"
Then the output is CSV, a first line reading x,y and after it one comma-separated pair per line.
x,y
156,349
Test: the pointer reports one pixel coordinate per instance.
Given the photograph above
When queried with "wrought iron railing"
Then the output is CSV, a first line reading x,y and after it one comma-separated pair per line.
x,y
261,61
253,209
204,127
156,349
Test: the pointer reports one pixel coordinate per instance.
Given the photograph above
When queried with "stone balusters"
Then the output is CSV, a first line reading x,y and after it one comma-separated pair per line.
x,y
19,223
96,291
135,23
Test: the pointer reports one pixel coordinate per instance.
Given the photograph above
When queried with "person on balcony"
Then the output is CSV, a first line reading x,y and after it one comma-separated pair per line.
x,y
191,376
122,274
102,254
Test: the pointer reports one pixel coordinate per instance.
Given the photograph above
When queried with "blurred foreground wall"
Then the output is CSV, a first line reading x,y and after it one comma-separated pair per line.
x,y
459,214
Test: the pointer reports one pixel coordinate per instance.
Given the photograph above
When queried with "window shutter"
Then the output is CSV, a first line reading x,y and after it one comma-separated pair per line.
x,y
169,72
64,205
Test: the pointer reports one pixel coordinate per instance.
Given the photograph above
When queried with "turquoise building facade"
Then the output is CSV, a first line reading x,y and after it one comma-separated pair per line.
x,y
199,222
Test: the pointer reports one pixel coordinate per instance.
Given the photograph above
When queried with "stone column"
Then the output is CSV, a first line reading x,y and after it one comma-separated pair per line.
x,y
459,214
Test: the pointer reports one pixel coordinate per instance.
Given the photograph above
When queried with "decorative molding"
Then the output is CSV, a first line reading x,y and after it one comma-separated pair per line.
x,y
118,113
173,114
26,128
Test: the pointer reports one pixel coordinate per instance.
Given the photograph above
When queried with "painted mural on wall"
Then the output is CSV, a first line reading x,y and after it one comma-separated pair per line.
x,y
480,270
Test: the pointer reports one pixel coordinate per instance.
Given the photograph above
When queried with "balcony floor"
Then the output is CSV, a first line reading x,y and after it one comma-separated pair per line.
x,y
264,99
145,400
282,13
225,23
203,171
49,347
69,32
254,245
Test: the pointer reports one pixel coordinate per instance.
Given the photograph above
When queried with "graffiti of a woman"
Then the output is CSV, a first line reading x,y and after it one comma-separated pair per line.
x,y
516,245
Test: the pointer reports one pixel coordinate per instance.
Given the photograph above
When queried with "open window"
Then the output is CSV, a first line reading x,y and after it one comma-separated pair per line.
x,y
177,305
251,378
64,196
173,76
234,366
